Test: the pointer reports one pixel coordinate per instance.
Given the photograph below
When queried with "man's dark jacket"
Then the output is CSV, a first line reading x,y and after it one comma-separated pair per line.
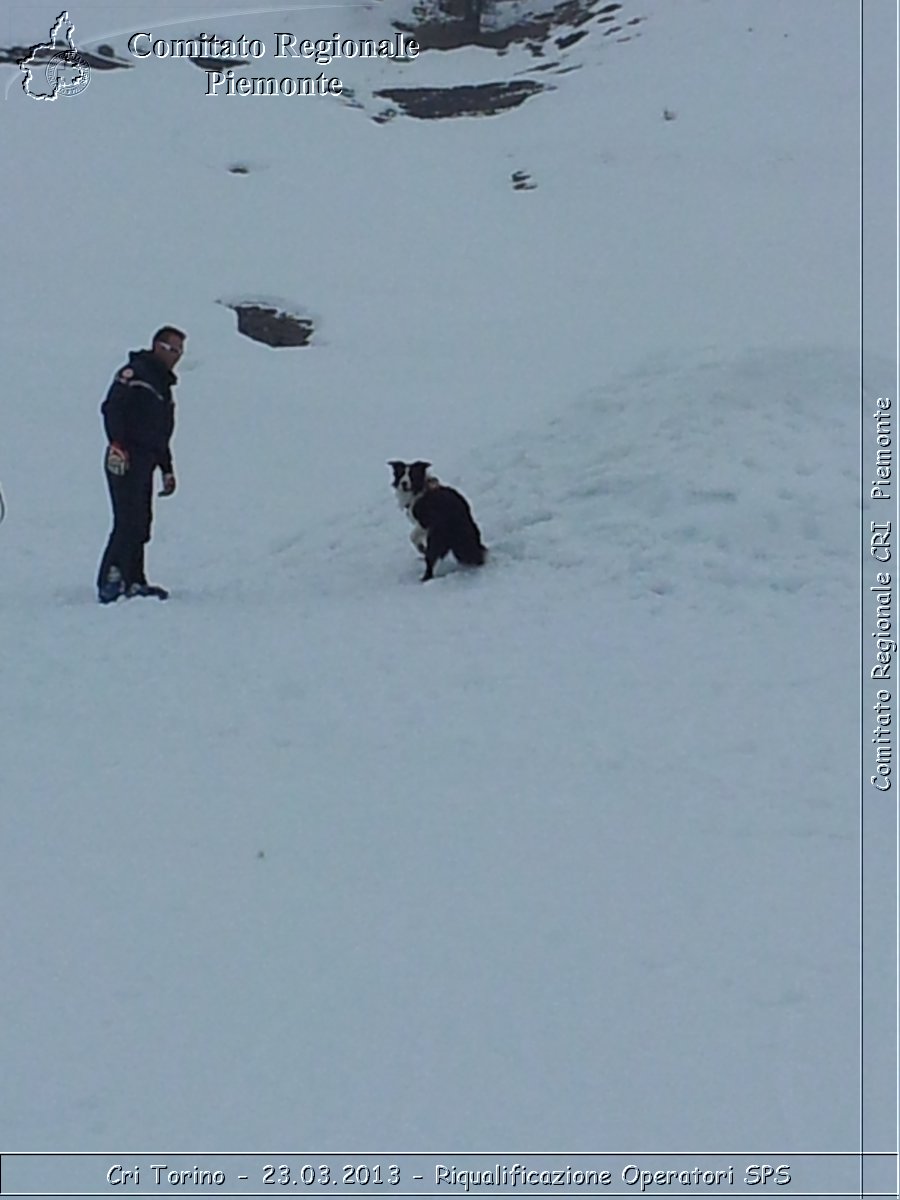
x,y
139,412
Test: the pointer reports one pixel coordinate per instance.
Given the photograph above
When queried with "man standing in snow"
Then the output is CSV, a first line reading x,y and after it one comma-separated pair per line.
x,y
139,417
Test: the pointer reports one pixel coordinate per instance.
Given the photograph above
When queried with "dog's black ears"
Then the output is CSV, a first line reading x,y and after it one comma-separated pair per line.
x,y
398,466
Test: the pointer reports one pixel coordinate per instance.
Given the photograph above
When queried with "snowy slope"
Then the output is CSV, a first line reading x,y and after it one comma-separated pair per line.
x,y
550,853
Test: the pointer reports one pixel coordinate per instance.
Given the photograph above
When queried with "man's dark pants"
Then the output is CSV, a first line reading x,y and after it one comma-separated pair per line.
x,y
131,495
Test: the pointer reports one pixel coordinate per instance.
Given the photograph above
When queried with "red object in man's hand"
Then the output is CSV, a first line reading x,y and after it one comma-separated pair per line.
x,y
116,459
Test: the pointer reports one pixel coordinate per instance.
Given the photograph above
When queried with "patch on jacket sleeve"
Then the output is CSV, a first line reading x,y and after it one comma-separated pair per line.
x,y
125,374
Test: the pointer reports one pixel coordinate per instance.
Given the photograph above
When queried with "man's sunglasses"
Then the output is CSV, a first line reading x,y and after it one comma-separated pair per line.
x,y
173,349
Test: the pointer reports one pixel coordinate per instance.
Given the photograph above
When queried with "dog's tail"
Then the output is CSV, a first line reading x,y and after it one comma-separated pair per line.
x,y
472,553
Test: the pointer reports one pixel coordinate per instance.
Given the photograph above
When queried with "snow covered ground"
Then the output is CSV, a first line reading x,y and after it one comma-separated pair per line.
x,y
562,852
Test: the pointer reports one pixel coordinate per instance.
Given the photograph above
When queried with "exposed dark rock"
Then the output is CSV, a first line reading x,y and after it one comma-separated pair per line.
x,y
470,100
265,324
104,60
450,24
522,182
570,39
218,64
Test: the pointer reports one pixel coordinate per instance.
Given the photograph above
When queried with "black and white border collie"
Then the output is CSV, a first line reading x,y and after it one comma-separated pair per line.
x,y
441,517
